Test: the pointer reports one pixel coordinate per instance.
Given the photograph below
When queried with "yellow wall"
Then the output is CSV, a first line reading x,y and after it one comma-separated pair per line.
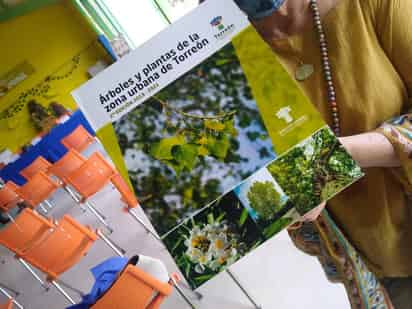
x,y
48,39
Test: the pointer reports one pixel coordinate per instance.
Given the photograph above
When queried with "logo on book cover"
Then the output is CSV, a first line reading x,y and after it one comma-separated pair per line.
x,y
284,114
223,30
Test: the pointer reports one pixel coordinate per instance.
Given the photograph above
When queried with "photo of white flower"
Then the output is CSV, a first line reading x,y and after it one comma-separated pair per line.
x,y
213,239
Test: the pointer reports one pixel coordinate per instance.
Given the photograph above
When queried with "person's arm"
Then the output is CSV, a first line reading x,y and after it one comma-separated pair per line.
x,y
371,150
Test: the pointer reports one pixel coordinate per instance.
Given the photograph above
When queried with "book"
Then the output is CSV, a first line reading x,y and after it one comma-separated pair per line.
x,y
222,147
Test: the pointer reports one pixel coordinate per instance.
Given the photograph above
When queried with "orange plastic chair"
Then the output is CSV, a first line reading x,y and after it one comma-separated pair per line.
x,y
62,248
88,179
134,289
40,164
79,139
8,196
67,164
37,189
91,176
27,229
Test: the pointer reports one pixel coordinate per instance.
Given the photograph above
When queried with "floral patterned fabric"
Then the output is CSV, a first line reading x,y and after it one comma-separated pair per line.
x,y
399,132
341,262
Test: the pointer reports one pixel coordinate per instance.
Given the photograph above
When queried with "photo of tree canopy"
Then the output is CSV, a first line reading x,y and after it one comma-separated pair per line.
x,y
194,140
213,239
266,202
315,170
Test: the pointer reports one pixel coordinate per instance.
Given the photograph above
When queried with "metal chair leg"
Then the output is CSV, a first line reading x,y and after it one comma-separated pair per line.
x,y
117,249
72,194
48,204
182,294
15,302
197,294
98,216
33,273
92,205
68,286
75,198
6,288
63,292
145,226
234,278
43,208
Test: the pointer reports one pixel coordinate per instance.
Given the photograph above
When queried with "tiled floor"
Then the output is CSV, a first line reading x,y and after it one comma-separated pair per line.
x,y
276,274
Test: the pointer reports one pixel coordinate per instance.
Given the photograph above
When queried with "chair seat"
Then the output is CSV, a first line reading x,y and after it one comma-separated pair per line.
x,y
27,229
8,196
134,289
79,139
62,249
39,188
70,162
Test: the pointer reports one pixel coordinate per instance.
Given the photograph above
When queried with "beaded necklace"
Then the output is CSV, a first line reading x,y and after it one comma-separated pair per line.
x,y
326,67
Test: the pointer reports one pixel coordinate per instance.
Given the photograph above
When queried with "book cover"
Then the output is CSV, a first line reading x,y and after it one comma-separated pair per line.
x,y
222,147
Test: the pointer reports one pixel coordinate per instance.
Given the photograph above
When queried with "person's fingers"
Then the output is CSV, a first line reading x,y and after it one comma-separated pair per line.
x,y
314,213
295,226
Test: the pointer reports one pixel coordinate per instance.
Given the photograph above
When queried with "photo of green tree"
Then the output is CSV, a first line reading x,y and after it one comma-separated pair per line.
x,y
194,140
315,170
262,196
266,202
213,239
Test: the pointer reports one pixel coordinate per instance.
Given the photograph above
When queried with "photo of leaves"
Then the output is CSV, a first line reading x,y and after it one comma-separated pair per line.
x,y
213,239
193,141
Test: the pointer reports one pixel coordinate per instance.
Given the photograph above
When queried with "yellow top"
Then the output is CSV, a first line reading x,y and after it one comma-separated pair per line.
x,y
370,50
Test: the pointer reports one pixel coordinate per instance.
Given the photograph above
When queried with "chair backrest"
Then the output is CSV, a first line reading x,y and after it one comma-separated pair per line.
x,y
8,196
91,176
7,305
62,249
79,139
40,164
27,229
127,195
70,162
37,189
134,289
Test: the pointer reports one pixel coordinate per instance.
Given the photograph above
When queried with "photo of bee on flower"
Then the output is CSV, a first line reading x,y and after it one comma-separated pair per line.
x,y
213,239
